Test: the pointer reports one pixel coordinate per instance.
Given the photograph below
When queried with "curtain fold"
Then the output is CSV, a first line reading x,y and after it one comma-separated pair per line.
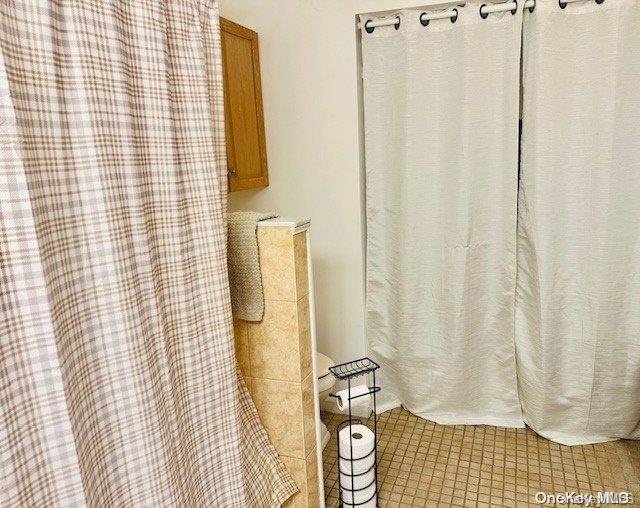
x,y
32,397
578,324
441,105
118,382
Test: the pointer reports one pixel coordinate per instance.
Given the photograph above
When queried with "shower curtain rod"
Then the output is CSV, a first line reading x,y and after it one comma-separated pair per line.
x,y
453,13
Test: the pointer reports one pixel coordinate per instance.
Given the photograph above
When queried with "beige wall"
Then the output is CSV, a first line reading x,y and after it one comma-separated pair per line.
x,y
309,64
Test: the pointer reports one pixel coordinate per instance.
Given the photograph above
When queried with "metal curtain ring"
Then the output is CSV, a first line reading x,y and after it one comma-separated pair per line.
x,y
483,15
599,1
515,9
533,7
367,28
455,17
562,4
423,22
397,25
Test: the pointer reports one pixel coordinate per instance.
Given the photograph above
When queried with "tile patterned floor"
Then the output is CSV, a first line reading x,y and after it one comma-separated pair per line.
x,y
425,464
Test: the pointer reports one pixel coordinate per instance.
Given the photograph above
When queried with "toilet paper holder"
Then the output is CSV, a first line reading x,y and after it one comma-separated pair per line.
x,y
349,371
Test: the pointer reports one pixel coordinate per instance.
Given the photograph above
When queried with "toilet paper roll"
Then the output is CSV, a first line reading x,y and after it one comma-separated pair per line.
x,y
360,481
357,466
357,456
342,397
367,496
363,441
356,442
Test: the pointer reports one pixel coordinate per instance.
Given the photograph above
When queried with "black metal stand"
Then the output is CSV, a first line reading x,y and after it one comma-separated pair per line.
x,y
347,372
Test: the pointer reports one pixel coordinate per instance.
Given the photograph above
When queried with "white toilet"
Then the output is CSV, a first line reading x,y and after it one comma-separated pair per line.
x,y
326,382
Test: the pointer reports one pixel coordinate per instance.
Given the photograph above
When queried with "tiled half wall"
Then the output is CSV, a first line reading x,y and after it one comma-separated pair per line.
x,y
275,355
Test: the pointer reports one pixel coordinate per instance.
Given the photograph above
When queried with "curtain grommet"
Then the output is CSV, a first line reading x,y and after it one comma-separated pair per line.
x,y
367,28
562,4
424,22
599,2
515,9
483,15
397,24
532,8
454,18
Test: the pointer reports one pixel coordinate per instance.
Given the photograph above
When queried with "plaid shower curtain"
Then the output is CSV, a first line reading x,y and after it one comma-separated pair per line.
x,y
118,384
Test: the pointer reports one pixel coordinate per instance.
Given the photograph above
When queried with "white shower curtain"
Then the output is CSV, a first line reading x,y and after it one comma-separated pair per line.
x,y
578,291
441,140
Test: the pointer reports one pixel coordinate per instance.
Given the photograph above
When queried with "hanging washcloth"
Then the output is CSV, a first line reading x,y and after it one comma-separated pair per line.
x,y
247,300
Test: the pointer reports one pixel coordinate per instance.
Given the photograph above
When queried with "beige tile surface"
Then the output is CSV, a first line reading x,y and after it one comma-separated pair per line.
x,y
421,463
274,342
309,416
298,470
241,342
312,478
277,353
301,268
277,267
304,336
279,404
305,474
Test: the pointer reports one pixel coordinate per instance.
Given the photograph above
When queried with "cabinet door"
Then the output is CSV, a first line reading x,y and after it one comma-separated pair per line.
x,y
246,150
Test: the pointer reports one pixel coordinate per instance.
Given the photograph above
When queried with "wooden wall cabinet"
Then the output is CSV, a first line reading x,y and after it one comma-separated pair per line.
x,y
244,118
